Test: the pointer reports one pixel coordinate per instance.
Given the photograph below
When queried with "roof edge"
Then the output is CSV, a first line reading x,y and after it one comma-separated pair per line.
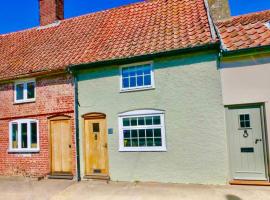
x,y
145,57
250,50
210,20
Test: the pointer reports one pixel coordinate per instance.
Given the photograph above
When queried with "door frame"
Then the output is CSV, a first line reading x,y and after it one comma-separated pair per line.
x,y
58,118
261,105
89,116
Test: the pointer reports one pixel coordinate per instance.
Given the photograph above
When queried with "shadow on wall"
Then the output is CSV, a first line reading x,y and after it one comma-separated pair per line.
x,y
232,197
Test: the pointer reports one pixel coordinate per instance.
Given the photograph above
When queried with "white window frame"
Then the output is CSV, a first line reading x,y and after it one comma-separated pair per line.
x,y
142,113
19,149
137,88
25,99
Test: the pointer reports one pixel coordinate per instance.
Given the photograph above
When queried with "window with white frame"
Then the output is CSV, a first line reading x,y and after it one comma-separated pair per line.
x,y
23,135
136,77
142,130
25,91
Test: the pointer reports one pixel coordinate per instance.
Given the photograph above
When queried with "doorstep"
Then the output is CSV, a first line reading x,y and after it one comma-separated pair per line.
x,y
249,182
60,176
97,177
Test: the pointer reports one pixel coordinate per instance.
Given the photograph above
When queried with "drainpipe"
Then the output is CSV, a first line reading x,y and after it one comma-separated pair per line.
x,y
76,104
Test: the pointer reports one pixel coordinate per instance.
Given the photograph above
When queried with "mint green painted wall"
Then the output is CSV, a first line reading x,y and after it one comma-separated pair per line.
x,y
188,89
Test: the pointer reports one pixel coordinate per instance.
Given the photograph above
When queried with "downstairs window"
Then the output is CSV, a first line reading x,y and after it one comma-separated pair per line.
x,y
23,136
142,130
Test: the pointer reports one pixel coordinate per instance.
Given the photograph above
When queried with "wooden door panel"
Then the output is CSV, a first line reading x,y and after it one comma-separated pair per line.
x,y
61,152
66,146
96,155
56,148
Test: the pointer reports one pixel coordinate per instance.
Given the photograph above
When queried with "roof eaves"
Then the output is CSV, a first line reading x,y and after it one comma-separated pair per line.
x,y
145,57
250,50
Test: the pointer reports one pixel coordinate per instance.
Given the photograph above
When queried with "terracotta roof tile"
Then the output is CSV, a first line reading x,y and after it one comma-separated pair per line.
x,y
132,30
245,31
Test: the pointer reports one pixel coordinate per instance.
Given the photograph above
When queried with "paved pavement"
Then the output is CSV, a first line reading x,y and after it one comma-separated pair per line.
x,y
70,190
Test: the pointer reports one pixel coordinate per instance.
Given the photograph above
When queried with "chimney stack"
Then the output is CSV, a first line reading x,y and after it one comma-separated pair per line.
x,y
220,9
50,11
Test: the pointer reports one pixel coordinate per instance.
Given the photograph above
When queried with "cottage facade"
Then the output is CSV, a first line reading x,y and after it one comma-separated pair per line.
x,y
143,114
244,67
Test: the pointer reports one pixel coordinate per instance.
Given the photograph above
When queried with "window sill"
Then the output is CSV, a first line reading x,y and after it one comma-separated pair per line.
x,y
24,101
159,149
136,89
24,151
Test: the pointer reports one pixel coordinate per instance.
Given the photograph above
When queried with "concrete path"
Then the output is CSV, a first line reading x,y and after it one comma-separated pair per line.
x,y
95,190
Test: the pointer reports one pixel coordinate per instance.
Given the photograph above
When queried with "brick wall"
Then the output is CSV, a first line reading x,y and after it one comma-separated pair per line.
x,y
54,96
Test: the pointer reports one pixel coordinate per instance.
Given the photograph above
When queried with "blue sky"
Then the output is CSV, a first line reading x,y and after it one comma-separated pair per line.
x,y
21,14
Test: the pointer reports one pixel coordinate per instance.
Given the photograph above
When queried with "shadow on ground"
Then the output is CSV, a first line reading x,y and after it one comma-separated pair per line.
x,y
232,197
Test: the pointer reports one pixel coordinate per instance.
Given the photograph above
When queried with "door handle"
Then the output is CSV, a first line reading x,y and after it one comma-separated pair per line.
x,y
105,145
258,140
69,146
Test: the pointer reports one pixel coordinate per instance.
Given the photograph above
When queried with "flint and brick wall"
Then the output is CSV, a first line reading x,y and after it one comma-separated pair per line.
x,y
54,96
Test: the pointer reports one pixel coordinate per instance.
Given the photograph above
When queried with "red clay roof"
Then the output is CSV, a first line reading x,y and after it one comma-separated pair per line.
x,y
137,29
245,31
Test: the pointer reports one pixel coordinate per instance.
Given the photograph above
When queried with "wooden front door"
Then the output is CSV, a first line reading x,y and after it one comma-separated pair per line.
x,y
96,153
61,152
246,143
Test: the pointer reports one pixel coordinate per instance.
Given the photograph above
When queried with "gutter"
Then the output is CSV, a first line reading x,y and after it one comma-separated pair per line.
x,y
251,50
141,58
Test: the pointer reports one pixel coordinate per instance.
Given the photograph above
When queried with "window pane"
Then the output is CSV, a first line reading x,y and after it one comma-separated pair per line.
x,y
24,135
132,81
14,136
19,92
134,133
157,132
140,81
157,142
141,121
127,143
95,127
139,71
126,122
134,121
125,72
31,90
147,69
148,120
147,80
134,142
141,133
156,120
242,117
149,133
33,135
125,82
149,142
142,142
132,71
126,134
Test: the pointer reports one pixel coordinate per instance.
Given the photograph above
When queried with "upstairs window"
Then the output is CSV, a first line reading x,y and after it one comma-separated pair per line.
x,y
137,77
142,130
23,136
25,91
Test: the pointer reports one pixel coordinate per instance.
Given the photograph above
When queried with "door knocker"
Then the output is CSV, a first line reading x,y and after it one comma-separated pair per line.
x,y
245,135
